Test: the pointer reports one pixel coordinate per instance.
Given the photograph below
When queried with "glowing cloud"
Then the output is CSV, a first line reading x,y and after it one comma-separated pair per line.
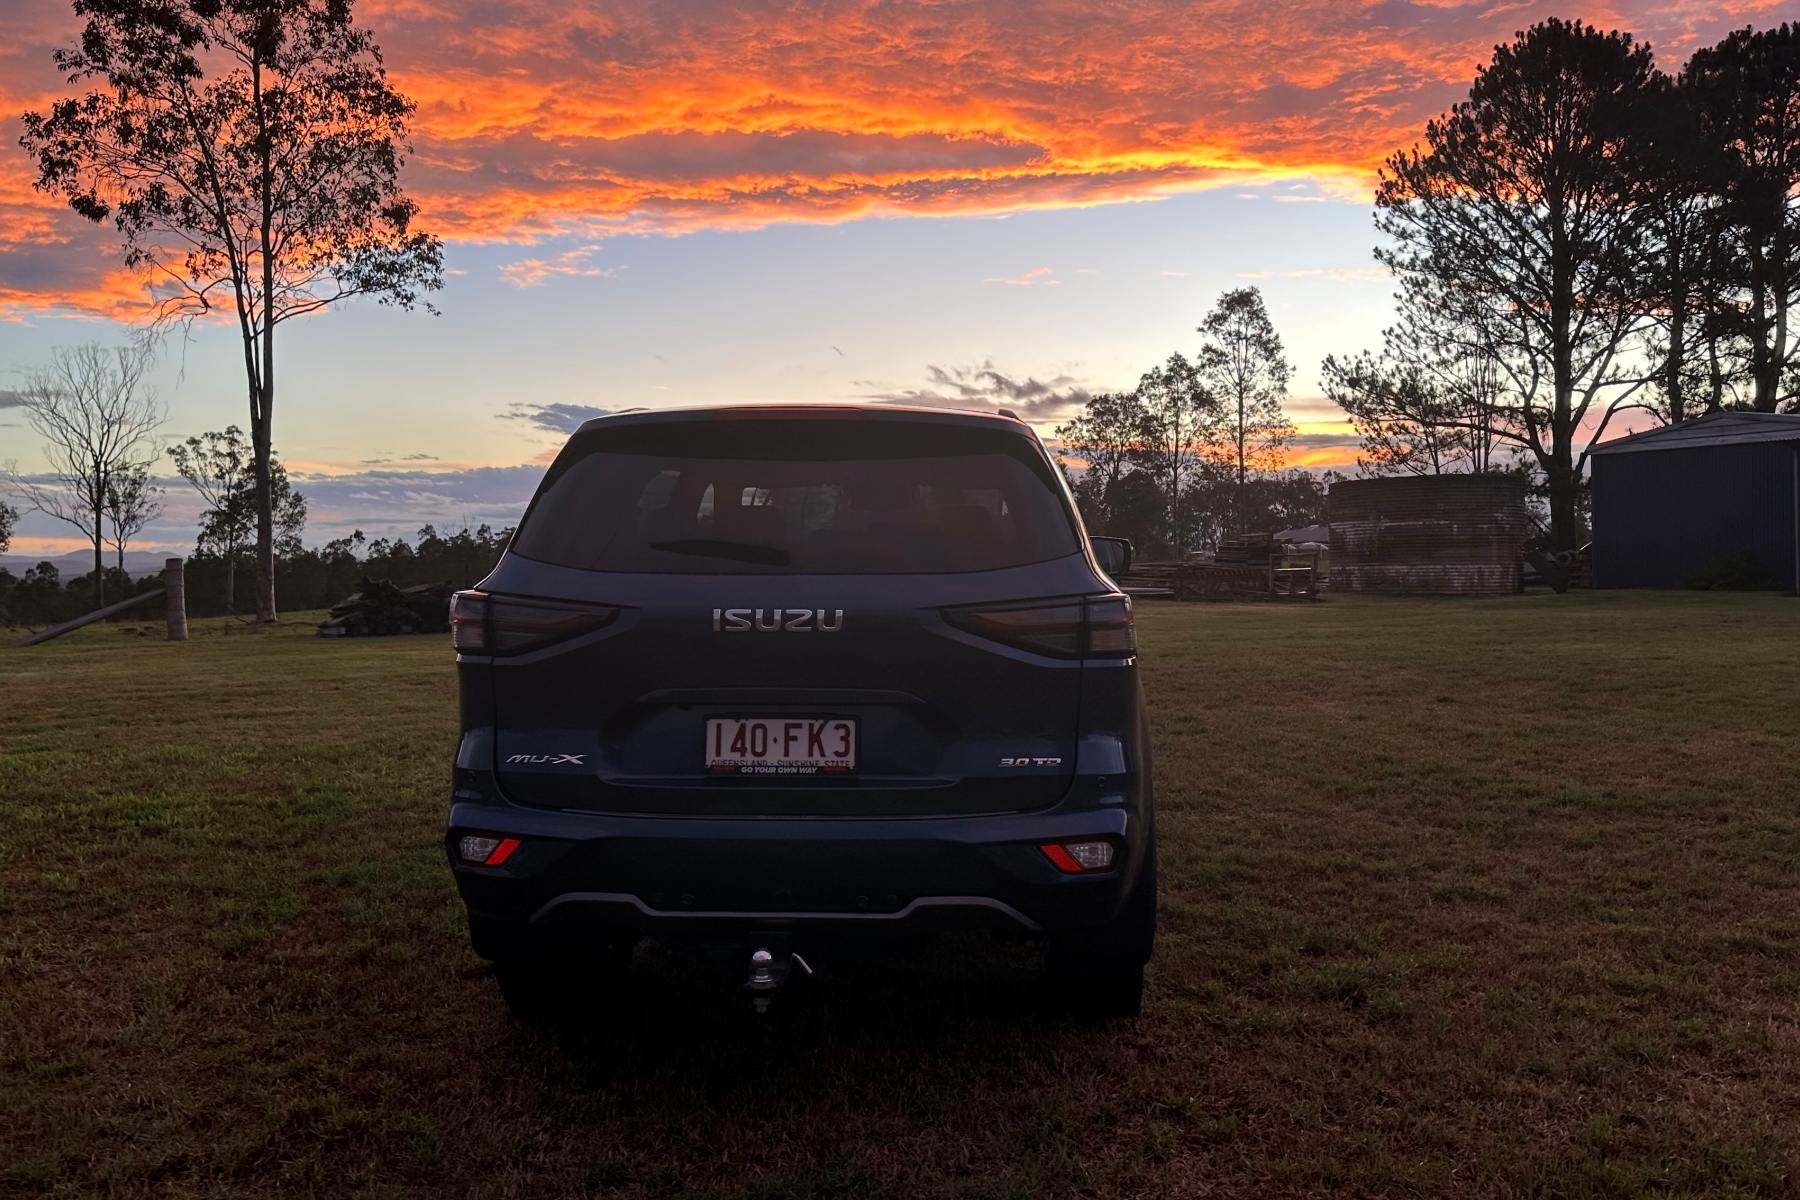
x,y
539,118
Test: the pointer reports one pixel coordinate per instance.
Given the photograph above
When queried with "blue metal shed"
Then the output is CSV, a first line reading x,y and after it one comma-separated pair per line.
x,y
1673,503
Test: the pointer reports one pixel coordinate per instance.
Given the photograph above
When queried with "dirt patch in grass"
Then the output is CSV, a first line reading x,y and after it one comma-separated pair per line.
x,y
1475,898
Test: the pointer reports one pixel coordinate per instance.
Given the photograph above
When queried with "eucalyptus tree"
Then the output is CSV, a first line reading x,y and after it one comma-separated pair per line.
x,y
218,465
1243,367
1180,421
248,154
132,501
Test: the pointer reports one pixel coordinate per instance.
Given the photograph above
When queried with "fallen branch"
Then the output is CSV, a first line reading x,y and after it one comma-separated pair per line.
x,y
99,614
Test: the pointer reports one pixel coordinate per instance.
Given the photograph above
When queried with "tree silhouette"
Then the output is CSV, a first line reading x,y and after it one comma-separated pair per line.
x,y
1686,259
1180,419
248,153
1109,436
1522,224
1408,422
1242,366
1745,94
132,502
218,466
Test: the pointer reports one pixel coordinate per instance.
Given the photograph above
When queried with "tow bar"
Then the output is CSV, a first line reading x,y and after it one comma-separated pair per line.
x,y
769,973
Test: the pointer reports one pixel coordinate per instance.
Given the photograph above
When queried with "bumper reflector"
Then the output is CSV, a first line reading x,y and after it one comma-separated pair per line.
x,y
1075,858
487,851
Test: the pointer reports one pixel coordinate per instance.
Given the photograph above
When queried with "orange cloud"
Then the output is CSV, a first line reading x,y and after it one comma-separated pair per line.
x,y
1320,458
539,117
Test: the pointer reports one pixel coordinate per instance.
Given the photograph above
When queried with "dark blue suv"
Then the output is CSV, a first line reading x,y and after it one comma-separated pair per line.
x,y
769,676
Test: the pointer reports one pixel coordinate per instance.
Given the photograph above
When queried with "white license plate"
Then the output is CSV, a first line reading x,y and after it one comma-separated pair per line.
x,y
780,745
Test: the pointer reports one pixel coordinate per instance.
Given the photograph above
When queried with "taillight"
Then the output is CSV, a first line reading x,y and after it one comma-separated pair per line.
x,y
1090,627
1111,633
1077,858
487,851
484,624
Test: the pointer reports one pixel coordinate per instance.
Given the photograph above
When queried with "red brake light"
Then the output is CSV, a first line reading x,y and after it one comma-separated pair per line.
x,y
1092,627
486,850
1079,858
484,624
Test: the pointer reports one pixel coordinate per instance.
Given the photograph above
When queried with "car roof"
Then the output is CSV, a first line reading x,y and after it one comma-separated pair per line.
x,y
823,410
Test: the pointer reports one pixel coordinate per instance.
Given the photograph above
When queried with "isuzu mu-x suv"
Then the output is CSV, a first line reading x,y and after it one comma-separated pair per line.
x,y
774,675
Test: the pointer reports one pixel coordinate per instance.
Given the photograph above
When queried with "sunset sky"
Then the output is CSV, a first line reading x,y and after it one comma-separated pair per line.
x,y
657,204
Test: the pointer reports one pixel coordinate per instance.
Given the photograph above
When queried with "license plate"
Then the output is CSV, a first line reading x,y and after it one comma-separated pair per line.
x,y
780,745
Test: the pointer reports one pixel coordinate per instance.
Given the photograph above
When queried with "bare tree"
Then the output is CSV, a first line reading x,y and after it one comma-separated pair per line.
x,y
1243,367
132,501
248,152
97,417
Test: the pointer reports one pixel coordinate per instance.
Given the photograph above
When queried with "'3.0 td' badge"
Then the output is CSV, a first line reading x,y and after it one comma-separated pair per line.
x,y
777,620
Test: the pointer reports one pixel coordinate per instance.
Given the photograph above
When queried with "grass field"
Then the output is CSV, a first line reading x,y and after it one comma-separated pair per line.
x,y
1459,898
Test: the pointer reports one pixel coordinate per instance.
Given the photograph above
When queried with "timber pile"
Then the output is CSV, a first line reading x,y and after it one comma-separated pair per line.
x,y
1189,580
1253,548
381,608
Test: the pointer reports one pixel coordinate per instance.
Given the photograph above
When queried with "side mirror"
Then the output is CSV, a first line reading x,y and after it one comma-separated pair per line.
x,y
1113,554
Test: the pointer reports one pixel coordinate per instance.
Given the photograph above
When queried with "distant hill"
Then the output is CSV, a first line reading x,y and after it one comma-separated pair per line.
x,y
138,563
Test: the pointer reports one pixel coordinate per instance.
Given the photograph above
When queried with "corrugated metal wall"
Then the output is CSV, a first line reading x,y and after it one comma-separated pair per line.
x,y
1458,535
1662,517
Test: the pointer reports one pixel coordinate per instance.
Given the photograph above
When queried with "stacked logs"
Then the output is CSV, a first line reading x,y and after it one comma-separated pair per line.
x,y
381,607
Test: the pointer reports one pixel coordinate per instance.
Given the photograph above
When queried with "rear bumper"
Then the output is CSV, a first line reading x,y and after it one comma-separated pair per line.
x,y
698,877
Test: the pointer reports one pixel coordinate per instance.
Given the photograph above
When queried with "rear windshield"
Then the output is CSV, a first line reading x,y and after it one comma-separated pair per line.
x,y
840,496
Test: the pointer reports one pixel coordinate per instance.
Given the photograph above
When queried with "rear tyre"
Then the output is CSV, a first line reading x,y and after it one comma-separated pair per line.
x,y
534,990
1099,973
562,981
1109,995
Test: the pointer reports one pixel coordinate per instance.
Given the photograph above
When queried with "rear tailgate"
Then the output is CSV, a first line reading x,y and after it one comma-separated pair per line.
x,y
943,722
792,569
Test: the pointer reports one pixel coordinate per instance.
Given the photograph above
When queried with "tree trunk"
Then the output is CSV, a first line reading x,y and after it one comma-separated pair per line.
x,y
1672,382
99,569
1565,488
231,565
1715,370
262,434
265,521
1237,496
1765,371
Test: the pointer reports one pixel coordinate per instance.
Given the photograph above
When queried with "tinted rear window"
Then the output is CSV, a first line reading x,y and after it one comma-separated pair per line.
x,y
837,496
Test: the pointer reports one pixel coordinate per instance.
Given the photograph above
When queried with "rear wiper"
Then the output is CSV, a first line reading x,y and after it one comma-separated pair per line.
x,y
749,552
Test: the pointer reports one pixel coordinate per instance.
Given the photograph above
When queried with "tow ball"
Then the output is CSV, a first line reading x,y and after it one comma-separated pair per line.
x,y
769,973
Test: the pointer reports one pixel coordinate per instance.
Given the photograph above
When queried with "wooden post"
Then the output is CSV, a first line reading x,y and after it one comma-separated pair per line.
x,y
175,587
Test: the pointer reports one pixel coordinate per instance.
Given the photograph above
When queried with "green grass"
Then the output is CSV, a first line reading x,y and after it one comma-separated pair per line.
x,y
1459,898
